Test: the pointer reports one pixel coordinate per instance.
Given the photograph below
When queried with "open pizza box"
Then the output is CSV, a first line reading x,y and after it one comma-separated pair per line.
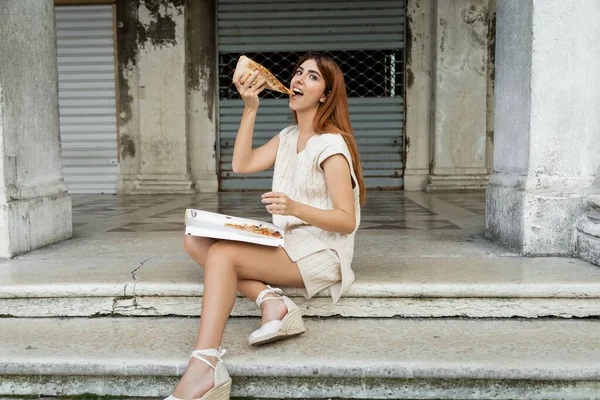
x,y
220,226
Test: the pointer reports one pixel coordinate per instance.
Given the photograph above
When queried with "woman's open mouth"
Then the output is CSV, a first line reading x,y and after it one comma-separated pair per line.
x,y
297,94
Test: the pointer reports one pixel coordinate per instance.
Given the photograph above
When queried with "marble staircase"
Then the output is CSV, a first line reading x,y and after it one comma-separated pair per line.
x,y
432,315
437,311
372,358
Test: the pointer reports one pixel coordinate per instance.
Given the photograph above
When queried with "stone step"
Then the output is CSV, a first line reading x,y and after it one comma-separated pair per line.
x,y
409,287
442,286
416,274
358,358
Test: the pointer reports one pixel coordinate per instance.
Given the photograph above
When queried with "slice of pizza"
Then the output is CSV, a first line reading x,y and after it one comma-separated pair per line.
x,y
246,67
259,230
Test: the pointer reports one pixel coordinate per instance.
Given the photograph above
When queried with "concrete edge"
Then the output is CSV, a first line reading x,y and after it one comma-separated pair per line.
x,y
358,290
322,369
316,307
295,387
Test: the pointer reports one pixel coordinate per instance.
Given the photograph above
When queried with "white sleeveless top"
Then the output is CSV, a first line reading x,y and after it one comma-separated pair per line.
x,y
302,179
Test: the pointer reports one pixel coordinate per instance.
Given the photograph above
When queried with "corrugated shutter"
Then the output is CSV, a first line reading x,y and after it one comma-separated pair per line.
x,y
283,25
87,100
267,26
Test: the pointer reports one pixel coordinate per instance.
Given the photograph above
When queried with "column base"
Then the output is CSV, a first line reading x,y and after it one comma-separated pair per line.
x,y
587,244
441,183
207,184
533,221
155,185
29,224
415,179
587,233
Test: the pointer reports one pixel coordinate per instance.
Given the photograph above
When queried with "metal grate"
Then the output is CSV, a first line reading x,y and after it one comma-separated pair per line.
x,y
368,73
366,38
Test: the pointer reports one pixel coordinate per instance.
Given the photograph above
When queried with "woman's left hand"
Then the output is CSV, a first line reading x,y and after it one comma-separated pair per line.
x,y
279,203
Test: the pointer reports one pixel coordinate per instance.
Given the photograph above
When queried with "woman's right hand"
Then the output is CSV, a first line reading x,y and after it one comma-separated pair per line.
x,y
250,89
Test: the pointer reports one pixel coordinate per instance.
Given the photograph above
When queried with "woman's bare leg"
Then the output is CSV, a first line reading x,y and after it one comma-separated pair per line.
x,y
226,263
198,247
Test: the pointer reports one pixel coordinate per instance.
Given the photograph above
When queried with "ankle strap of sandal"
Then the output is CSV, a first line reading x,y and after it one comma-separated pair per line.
x,y
210,353
261,296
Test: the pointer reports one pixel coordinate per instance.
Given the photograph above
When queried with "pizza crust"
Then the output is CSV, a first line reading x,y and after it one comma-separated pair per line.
x,y
245,67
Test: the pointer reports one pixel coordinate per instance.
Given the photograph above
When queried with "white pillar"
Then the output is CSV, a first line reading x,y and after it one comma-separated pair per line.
x,y
547,122
458,148
35,209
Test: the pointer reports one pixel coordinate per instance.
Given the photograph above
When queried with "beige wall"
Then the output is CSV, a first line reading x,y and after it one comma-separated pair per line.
x,y
448,94
166,96
168,87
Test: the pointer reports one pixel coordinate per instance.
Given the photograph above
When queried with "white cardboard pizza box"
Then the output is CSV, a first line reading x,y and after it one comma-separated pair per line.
x,y
212,225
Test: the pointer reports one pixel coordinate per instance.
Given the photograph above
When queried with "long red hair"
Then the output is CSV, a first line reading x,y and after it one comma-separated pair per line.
x,y
332,115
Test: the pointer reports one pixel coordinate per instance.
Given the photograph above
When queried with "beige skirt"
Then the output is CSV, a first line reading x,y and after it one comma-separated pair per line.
x,y
319,271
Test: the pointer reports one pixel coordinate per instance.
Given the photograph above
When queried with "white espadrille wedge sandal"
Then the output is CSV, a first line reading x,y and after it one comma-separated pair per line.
x,y
291,324
222,387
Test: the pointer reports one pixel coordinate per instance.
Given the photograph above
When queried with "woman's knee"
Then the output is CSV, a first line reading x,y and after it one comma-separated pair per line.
x,y
189,245
220,252
197,248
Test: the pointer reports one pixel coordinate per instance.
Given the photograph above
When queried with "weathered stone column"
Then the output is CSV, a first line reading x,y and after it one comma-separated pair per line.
x,y
547,122
35,209
202,92
419,72
153,76
458,140
491,76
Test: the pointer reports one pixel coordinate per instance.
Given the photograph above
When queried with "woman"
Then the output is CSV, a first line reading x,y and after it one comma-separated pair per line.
x,y
316,197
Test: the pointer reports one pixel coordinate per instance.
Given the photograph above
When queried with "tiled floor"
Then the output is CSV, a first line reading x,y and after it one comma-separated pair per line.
x,y
391,210
472,201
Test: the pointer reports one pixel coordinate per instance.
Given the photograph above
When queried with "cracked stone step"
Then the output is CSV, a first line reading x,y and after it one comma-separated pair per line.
x,y
363,358
490,286
418,274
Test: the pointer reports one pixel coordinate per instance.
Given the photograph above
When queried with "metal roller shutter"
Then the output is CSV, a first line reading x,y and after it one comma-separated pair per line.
x,y
282,25
87,97
367,40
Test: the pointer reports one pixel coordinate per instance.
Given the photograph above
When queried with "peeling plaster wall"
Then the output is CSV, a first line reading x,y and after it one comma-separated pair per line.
x,y
129,121
154,77
419,91
162,89
201,89
491,76
449,94
447,55
167,80
459,124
